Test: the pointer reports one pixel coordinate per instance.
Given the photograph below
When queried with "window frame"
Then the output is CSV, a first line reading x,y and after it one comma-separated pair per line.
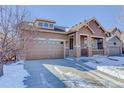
x,y
71,43
51,26
40,23
99,43
45,25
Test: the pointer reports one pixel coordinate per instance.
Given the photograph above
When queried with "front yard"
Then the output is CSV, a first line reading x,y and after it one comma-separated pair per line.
x,y
14,74
62,73
103,61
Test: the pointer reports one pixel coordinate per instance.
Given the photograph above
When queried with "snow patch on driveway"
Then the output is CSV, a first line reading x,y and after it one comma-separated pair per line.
x,y
74,81
70,79
14,75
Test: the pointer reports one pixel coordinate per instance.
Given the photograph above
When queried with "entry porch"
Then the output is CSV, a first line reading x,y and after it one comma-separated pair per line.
x,y
86,45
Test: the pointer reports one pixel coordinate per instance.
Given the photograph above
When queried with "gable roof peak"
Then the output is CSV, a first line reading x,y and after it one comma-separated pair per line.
x,y
83,23
92,18
114,29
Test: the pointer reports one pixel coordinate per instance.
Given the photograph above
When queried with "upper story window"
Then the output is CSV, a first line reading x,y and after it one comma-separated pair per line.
x,y
46,25
51,25
40,24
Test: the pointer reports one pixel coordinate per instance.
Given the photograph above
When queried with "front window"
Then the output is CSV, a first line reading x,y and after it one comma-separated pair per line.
x,y
99,43
71,43
85,43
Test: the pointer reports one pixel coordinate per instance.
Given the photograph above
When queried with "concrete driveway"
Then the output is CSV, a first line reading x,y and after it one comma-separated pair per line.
x,y
41,76
61,73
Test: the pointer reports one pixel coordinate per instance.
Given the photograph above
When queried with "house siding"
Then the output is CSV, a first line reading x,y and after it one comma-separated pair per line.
x,y
114,49
31,47
96,28
96,32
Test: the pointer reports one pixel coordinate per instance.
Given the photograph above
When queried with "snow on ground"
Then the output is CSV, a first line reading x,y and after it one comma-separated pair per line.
x,y
70,78
109,65
105,61
13,77
73,80
112,71
45,83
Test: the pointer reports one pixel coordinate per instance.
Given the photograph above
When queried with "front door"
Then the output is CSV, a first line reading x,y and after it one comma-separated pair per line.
x,y
84,45
71,46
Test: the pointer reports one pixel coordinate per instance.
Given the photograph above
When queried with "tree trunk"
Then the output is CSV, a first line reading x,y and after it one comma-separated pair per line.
x,y
1,66
1,69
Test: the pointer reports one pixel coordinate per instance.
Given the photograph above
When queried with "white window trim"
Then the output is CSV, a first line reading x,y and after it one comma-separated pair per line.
x,y
43,25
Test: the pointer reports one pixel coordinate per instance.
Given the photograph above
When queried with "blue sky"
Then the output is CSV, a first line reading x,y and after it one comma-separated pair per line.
x,y
70,15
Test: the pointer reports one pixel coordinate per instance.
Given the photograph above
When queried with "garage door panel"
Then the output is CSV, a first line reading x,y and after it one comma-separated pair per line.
x,y
45,50
114,51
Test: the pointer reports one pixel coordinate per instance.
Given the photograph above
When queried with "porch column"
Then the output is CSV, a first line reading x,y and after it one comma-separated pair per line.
x,y
64,48
105,46
89,41
78,51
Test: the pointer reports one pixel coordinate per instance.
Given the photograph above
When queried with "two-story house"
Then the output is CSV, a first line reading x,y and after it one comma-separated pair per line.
x,y
48,40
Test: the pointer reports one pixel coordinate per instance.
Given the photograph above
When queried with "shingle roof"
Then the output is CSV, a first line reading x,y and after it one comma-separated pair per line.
x,y
83,23
46,20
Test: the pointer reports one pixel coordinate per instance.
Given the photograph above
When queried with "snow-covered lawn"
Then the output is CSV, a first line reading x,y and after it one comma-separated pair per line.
x,y
111,65
105,61
13,77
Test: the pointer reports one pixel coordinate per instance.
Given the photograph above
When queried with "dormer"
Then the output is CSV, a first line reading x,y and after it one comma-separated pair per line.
x,y
45,23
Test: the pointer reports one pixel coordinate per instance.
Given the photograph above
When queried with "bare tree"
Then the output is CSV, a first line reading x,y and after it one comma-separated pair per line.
x,y
11,17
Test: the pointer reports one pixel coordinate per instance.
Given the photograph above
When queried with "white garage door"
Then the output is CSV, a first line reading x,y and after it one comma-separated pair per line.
x,y
45,49
114,51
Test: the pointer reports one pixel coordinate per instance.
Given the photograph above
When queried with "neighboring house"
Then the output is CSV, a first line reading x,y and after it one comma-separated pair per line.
x,y
122,39
114,42
86,38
